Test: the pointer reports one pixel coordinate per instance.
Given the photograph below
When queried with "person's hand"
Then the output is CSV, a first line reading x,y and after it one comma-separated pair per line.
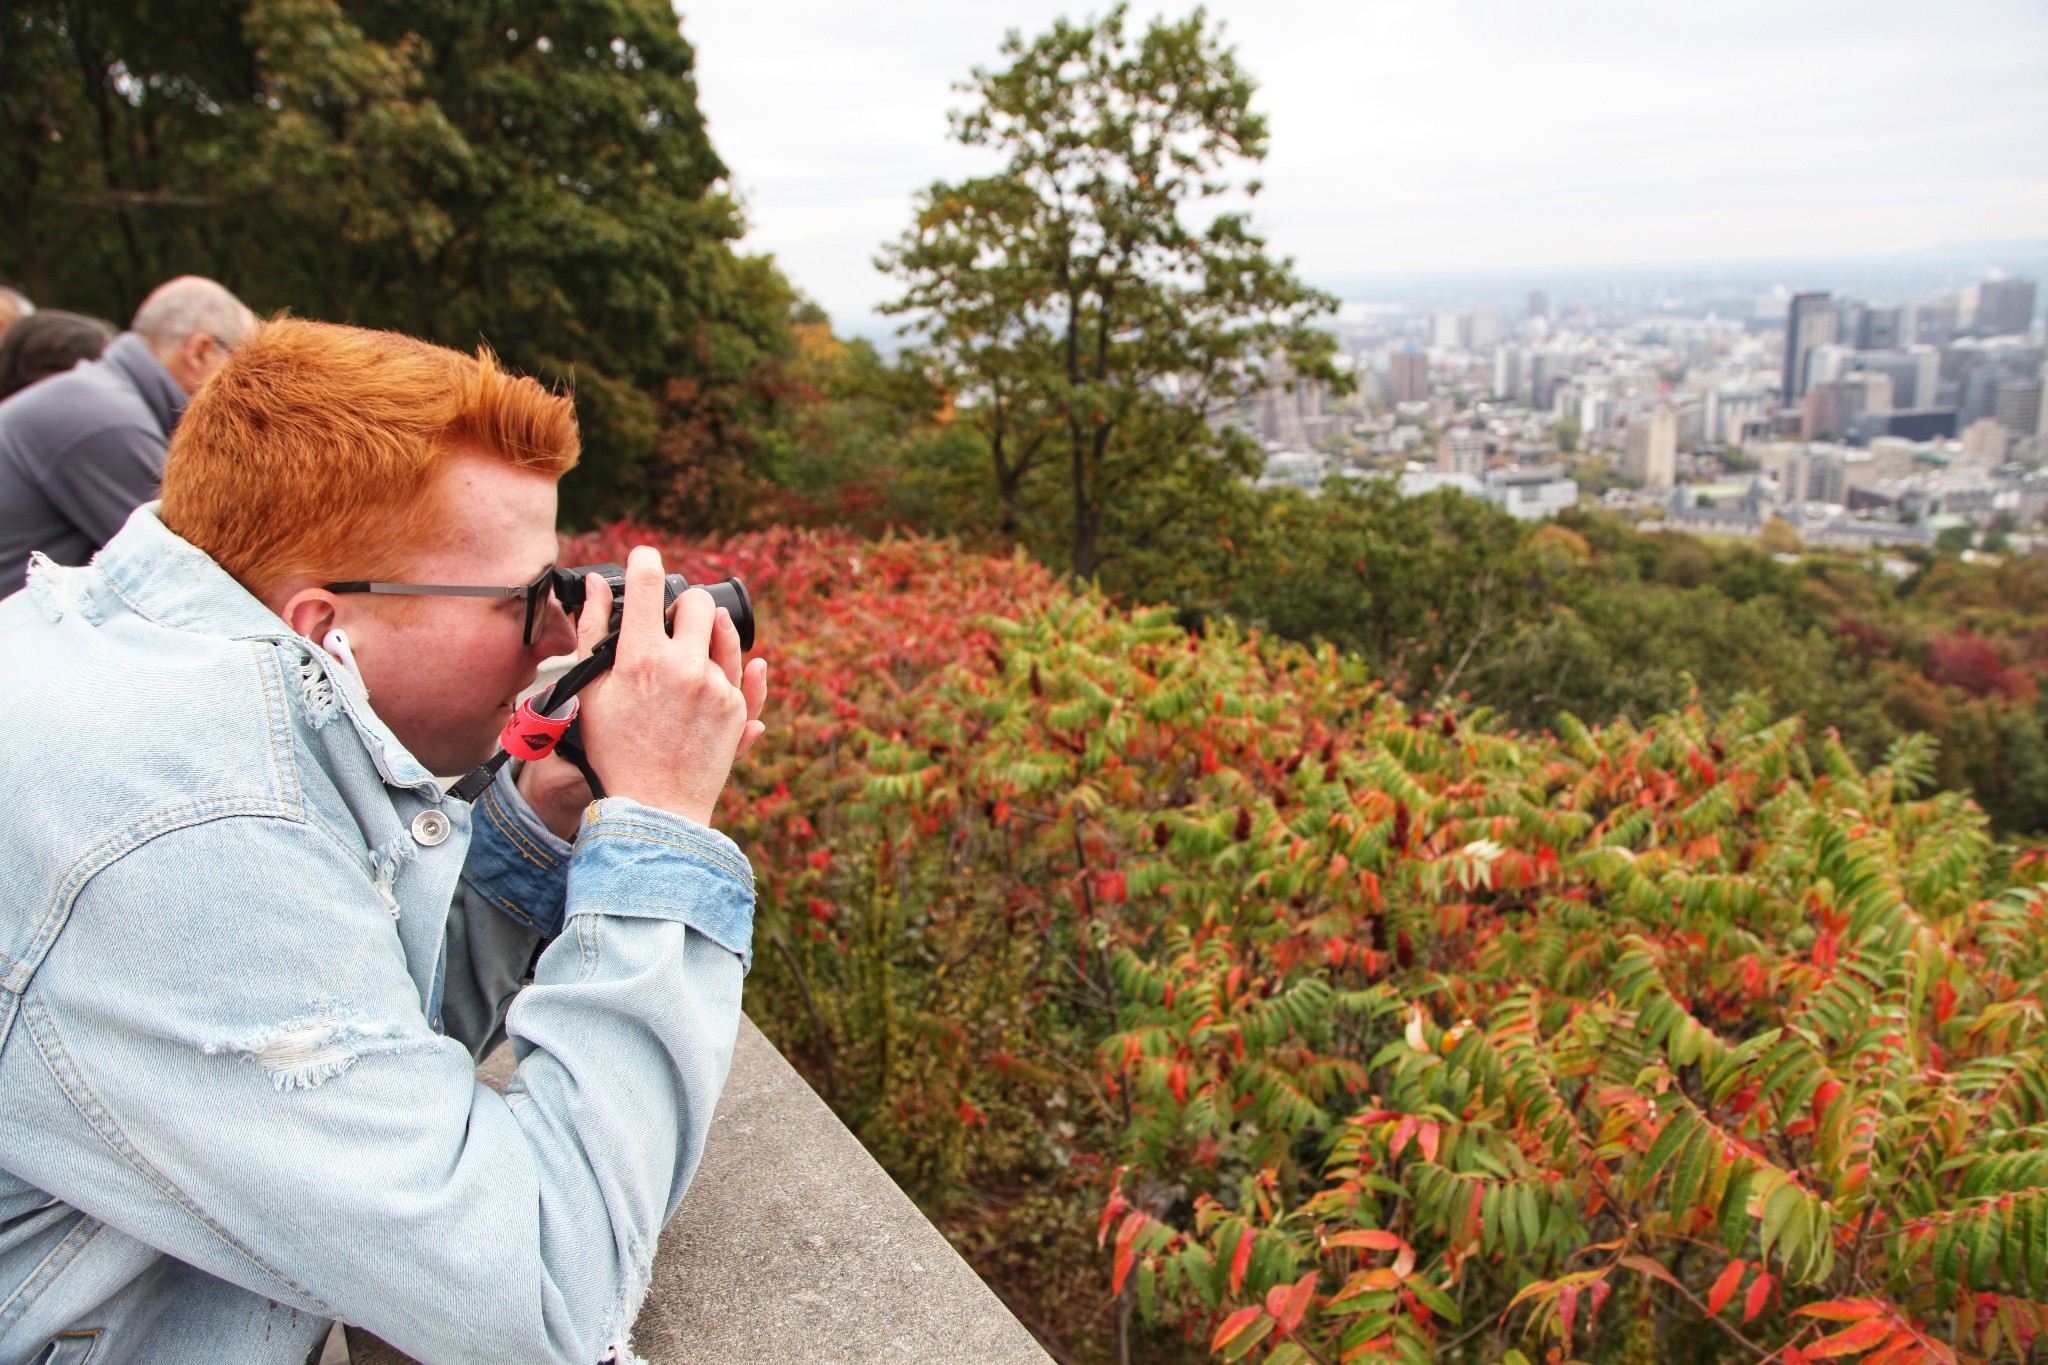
x,y
553,787
665,723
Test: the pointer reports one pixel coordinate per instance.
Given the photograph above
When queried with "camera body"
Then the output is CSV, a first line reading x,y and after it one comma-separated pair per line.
x,y
571,590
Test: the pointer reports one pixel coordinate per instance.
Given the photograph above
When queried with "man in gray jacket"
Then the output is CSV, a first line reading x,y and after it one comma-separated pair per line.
x,y
81,450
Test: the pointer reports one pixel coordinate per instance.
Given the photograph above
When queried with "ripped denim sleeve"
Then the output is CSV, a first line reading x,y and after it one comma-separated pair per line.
x,y
304,1053
516,863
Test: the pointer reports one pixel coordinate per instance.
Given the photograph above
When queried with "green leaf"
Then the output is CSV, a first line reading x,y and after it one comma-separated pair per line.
x,y
1735,1208
2037,1246
1692,1167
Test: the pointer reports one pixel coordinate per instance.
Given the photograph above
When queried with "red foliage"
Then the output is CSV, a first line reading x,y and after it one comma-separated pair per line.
x,y
1964,660
1863,639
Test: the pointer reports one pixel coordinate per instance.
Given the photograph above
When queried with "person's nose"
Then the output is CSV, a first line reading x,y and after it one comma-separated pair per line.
x,y
557,633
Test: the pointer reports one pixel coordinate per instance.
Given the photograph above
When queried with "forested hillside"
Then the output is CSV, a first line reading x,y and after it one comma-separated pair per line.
x,y
1215,1000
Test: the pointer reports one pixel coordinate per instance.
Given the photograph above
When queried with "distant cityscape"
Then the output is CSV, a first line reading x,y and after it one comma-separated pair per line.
x,y
1854,421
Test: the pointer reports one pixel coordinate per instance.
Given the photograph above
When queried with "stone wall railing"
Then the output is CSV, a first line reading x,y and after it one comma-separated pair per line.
x,y
793,1246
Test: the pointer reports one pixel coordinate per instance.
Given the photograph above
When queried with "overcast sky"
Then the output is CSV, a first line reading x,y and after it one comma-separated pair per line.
x,y
1435,134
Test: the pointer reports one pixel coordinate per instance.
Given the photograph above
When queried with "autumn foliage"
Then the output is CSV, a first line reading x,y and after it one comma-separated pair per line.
x,y
1221,1006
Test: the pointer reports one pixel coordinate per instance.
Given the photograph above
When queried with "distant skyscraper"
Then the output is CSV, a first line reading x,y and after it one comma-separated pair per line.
x,y
1936,321
1539,304
1507,372
1408,376
1547,370
1651,456
1447,329
2019,406
1459,451
1882,328
2004,308
1913,373
1809,322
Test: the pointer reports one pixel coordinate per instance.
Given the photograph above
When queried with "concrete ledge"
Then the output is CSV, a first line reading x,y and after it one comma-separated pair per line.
x,y
793,1247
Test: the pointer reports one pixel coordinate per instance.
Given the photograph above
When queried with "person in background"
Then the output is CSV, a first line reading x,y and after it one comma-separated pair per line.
x,y
14,306
83,449
49,342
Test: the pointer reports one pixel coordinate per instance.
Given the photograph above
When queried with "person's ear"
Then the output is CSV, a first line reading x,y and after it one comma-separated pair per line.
x,y
311,612
203,355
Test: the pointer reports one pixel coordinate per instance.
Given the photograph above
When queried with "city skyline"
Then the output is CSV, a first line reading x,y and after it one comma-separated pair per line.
x,y
1411,139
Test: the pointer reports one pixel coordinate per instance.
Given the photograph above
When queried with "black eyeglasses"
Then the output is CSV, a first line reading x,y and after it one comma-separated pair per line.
x,y
534,594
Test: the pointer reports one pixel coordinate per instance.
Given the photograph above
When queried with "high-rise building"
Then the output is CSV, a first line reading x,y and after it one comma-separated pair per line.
x,y
1912,373
1826,364
1873,326
1408,375
1730,413
1508,372
1866,391
1810,321
1937,320
2004,308
1447,329
1651,456
2019,406
1459,451
1822,414
1547,369
1539,304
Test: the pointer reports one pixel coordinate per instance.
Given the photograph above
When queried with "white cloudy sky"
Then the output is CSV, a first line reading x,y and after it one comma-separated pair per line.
x,y
1433,134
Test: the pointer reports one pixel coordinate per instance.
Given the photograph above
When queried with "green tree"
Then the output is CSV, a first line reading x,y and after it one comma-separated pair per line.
x,y
1090,328
530,173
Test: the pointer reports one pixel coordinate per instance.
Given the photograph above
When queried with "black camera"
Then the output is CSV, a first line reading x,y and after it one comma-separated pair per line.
x,y
570,590
535,730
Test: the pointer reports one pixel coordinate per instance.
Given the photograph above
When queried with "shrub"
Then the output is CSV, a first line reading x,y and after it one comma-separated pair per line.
x,y
1350,1031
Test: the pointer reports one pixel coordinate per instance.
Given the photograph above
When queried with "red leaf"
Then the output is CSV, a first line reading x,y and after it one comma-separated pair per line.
x,y
1724,1288
1116,1205
1843,1310
1294,1301
1643,1265
1426,1138
1759,1295
1125,1251
1234,1325
1372,1238
1567,1309
1944,1001
1850,1340
1240,1259
1403,1131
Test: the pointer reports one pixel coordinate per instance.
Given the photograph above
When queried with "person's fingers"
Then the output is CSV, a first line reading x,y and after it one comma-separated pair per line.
x,y
693,617
640,628
593,625
725,646
755,729
754,687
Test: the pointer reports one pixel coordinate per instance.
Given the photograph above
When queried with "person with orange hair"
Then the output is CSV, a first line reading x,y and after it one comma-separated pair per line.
x,y
250,952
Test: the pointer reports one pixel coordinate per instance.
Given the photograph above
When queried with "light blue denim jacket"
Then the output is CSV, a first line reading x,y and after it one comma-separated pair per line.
x,y
246,970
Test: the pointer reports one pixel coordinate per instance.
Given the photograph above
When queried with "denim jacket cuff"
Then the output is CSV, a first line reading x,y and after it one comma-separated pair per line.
x,y
639,862
515,862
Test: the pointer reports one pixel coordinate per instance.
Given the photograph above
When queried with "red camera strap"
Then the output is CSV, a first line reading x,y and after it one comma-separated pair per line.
x,y
529,735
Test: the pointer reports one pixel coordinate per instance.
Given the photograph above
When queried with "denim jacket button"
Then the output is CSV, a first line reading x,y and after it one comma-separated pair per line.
x,y
431,827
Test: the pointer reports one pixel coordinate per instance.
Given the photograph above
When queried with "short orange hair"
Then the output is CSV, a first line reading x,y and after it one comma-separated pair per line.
x,y
311,451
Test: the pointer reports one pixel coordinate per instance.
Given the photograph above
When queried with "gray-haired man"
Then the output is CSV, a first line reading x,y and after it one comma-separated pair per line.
x,y
83,449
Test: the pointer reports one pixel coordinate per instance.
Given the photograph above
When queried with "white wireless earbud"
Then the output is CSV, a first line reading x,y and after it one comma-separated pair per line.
x,y
336,643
